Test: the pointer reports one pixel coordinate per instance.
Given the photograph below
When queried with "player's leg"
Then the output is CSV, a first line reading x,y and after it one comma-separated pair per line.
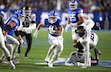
x,y
72,58
5,50
58,50
14,42
74,37
87,60
2,58
96,50
29,43
53,43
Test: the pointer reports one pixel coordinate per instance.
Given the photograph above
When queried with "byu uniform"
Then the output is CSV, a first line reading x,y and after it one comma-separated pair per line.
x,y
2,43
54,36
54,40
10,40
73,16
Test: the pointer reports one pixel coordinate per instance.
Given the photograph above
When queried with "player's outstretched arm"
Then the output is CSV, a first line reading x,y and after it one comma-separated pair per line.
x,y
37,29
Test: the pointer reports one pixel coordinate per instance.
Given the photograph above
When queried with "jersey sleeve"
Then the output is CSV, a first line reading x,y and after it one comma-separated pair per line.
x,y
80,12
46,22
60,22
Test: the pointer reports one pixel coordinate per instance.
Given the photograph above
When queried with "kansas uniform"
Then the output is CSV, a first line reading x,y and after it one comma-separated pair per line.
x,y
26,27
75,19
54,36
86,39
2,42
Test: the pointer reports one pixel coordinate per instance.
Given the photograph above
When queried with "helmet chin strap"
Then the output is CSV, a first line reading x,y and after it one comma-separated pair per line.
x,y
73,8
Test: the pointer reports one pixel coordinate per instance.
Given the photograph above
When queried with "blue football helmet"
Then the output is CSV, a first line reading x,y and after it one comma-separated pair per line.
x,y
19,13
73,4
52,17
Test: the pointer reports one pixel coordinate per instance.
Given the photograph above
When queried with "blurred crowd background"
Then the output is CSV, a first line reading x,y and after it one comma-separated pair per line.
x,y
87,5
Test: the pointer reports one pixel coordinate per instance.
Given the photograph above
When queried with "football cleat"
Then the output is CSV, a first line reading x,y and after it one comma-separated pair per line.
x,y
12,66
50,65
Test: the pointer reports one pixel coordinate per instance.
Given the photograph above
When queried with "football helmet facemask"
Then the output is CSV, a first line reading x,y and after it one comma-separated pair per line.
x,y
27,10
52,17
73,4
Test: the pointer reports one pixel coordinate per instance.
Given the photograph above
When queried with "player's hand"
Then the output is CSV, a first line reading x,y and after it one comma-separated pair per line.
x,y
51,29
35,33
23,43
67,27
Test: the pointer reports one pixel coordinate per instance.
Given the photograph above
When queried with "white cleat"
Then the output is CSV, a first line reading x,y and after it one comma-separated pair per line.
x,y
12,66
69,64
50,65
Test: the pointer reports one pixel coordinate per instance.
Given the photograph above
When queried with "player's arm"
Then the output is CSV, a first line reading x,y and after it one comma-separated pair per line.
x,y
40,25
67,25
68,22
10,24
59,30
80,17
81,20
38,28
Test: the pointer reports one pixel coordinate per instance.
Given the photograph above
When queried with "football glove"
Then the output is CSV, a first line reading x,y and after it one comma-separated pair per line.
x,y
36,33
23,43
67,27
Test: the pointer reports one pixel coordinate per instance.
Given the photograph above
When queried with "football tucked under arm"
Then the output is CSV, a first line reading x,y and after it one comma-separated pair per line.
x,y
52,29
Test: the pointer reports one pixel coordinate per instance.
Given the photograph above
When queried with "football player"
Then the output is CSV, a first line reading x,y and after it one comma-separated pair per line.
x,y
26,27
55,37
2,42
11,25
76,18
86,39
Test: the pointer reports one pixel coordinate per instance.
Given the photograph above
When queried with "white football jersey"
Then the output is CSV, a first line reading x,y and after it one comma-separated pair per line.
x,y
29,23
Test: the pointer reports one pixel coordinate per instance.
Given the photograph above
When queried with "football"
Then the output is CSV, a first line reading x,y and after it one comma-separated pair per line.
x,y
55,28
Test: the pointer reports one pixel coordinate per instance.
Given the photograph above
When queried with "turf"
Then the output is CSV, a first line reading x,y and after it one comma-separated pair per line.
x,y
40,47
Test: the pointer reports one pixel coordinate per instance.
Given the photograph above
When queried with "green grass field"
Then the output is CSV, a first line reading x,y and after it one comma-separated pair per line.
x,y
39,50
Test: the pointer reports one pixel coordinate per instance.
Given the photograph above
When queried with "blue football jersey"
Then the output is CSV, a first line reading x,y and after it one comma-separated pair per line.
x,y
17,22
55,26
73,15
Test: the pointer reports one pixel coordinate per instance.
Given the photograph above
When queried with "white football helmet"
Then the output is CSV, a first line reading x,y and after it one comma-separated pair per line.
x,y
52,17
27,10
73,4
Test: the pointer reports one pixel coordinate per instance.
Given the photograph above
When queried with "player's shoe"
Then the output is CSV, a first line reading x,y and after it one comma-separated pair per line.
x,y
69,64
12,66
50,65
25,56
